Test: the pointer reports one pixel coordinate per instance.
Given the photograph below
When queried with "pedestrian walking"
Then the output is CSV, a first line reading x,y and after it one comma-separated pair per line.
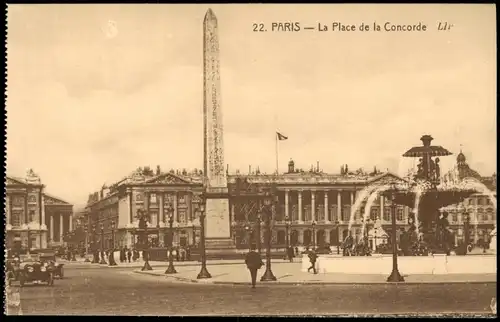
x,y
312,259
254,263
129,255
290,252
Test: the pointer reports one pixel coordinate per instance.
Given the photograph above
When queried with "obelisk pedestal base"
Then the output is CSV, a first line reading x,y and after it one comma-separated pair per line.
x,y
218,242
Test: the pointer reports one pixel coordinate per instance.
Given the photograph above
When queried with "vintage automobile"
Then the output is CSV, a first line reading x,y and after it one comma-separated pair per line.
x,y
58,268
32,269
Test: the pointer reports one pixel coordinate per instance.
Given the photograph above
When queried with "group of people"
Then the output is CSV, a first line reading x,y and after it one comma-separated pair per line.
x,y
128,255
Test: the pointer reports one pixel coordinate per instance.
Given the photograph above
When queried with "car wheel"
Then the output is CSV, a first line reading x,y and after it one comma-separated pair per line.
x,y
50,280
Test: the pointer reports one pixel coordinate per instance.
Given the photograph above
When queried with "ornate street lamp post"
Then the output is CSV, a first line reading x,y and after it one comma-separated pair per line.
x,y
86,230
102,245
194,235
249,233
171,268
395,276
314,234
466,230
203,272
73,247
337,228
29,240
269,208
143,225
259,220
95,252
287,234
112,248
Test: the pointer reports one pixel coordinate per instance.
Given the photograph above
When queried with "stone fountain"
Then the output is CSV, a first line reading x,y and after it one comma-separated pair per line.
x,y
426,192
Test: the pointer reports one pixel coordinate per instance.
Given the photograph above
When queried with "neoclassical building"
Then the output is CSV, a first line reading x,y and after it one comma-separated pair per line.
x,y
304,198
37,218
317,207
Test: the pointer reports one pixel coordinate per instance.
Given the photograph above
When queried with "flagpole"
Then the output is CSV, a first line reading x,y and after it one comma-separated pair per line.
x,y
277,162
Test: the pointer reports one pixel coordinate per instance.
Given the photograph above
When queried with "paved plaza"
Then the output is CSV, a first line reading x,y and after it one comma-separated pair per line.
x,y
90,289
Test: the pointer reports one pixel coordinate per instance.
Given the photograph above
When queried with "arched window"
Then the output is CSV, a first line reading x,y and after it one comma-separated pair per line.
x,y
320,237
334,237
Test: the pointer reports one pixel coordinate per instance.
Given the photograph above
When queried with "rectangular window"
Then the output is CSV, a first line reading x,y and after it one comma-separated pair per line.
x,y
373,214
16,218
182,199
152,198
399,214
387,214
32,216
454,217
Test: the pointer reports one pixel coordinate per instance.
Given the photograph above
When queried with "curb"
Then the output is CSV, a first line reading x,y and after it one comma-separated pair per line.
x,y
208,281
90,265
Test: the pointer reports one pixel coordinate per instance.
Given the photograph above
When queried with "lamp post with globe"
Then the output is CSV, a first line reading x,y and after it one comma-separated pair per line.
x,y
102,246
395,275
269,208
203,272
112,261
171,268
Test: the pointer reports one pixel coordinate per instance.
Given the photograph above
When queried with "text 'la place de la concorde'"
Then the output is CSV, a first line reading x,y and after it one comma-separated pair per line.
x,y
349,27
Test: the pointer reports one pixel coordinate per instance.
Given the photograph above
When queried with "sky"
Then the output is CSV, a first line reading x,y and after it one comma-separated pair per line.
x,y
95,91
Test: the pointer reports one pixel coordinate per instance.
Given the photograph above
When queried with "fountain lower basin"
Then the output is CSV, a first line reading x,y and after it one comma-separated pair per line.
x,y
408,265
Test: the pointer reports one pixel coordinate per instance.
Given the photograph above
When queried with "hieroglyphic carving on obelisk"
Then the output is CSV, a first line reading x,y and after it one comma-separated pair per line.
x,y
217,204
213,128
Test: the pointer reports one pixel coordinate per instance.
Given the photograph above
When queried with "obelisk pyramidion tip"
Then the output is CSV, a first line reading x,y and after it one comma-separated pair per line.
x,y
210,15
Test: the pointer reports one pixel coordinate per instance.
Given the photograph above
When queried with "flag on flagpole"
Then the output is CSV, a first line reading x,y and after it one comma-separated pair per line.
x,y
281,137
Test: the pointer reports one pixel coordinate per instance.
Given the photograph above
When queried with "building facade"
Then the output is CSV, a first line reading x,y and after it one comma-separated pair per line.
x,y
316,206
479,208
38,219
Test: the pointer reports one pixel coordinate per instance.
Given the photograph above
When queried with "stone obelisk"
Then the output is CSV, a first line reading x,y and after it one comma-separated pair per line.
x,y
218,226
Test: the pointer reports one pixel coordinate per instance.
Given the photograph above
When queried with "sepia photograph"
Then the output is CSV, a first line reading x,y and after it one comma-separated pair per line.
x,y
333,160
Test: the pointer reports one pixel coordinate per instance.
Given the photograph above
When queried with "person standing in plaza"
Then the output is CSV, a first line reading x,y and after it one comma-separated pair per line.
x,y
312,259
254,263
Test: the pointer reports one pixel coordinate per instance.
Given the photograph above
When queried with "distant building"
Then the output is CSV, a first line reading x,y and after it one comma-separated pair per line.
x,y
482,213
36,218
304,198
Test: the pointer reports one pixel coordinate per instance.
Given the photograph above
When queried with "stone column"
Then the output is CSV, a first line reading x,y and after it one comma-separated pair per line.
x,y
70,222
301,219
42,209
382,207
61,227
339,205
352,197
176,214
313,205
326,210
160,201
406,211
286,204
51,219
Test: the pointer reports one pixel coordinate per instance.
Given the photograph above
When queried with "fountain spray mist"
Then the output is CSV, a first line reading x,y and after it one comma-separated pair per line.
x,y
362,195
373,196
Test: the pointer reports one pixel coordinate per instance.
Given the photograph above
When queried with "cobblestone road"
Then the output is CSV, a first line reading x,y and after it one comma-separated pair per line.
x,y
104,291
